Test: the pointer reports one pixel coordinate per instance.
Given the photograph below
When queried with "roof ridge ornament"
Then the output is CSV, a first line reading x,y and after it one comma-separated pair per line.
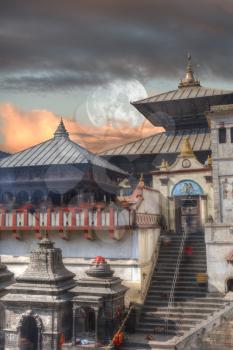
x,y
61,130
186,148
189,79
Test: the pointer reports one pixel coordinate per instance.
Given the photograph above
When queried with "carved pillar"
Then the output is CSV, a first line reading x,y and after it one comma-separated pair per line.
x,y
96,325
74,326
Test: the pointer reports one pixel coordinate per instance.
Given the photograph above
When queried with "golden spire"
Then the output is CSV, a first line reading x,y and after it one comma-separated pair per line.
x,y
209,160
189,79
164,164
186,149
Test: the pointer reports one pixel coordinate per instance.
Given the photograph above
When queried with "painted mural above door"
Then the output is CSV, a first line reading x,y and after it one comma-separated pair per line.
x,y
187,188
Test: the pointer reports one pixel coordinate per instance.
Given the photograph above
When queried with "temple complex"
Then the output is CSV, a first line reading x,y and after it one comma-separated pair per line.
x,y
158,211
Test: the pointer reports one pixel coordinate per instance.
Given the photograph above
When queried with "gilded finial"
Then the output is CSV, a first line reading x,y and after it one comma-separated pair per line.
x,y
209,160
189,79
186,149
164,164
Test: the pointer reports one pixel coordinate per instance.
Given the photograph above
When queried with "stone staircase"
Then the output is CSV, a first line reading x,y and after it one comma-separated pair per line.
x,y
192,303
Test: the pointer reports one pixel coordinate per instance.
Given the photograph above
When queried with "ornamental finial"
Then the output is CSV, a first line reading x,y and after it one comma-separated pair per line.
x,y
61,130
186,148
189,79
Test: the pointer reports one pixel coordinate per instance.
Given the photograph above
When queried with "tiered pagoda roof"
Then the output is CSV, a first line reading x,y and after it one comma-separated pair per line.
x,y
185,107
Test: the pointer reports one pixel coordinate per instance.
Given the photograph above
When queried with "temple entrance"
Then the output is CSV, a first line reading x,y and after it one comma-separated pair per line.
x,y
29,335
188,213
187,194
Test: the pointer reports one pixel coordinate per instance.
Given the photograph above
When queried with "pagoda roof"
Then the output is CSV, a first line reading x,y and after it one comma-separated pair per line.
x,y
184,107
168,142
3,154
60,150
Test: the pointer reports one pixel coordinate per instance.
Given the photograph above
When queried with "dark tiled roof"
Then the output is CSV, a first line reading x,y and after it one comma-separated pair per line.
x,y
165,142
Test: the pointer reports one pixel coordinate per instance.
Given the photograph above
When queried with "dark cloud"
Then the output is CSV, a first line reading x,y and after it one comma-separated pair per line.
x,y
60,44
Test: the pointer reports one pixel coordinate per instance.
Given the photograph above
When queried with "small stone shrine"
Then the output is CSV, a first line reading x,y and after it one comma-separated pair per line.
x,y
38,306
98,306
6,278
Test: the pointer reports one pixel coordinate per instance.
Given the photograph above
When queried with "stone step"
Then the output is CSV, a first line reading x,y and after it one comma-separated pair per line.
x,y
196,250
181,313
181,293
163,278
167,289
181,302
193,270
159,327
168,264
177,320
179,283
140,345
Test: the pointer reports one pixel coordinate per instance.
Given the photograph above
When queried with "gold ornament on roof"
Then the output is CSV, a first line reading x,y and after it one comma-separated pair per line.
x,y
209,160
189,79
164,164
186,149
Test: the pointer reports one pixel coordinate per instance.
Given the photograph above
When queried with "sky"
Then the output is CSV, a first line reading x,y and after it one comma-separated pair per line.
x,y
86,60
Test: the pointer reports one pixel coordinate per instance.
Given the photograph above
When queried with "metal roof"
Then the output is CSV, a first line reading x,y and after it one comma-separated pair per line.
x,y
4,154
184,93
58,150
184,107
165,142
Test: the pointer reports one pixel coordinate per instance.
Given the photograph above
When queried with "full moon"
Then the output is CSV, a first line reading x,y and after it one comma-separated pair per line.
x,y
110,104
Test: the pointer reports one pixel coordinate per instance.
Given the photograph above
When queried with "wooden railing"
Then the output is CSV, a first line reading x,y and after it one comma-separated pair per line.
x,y
64,218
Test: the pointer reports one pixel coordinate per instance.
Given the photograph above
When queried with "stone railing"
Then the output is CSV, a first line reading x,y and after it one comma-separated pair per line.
x,y
146,220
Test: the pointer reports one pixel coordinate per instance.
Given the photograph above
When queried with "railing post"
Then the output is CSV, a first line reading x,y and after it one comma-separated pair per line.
x,y
111,217
86,218
3,214
98,219
37,217
14,219
73,218
60,218
25,219
48,218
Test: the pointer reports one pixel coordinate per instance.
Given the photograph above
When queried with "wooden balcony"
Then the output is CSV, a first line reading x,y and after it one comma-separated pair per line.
x,y
65,221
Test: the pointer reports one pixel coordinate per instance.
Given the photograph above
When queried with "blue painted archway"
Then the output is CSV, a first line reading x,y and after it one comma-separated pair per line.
x,y
187,188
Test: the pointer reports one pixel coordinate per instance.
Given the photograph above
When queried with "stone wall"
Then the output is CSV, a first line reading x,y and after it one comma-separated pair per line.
x,y
219,234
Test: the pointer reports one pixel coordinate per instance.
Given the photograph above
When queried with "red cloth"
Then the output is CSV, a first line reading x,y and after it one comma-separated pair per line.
x,y
188,250
99,259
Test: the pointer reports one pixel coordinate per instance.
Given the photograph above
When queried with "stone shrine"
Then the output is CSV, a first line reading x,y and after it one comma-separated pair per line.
x,y
98,305
6,278
38,306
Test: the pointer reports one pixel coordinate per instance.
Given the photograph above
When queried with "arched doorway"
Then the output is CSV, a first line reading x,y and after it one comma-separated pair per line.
x,y
230,285
30,327
187,205
85,323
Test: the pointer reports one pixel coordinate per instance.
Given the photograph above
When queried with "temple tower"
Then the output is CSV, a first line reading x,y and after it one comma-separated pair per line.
x,y
38,306
6,278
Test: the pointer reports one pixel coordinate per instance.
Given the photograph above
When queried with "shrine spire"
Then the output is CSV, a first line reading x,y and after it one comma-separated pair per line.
x,y
189,79
61,130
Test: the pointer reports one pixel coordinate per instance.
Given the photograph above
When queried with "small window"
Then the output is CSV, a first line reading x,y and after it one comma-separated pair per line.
x,y
222,135
231,135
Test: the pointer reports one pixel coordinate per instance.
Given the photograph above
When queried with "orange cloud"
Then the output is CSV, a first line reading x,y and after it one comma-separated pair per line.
x,y
20,130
